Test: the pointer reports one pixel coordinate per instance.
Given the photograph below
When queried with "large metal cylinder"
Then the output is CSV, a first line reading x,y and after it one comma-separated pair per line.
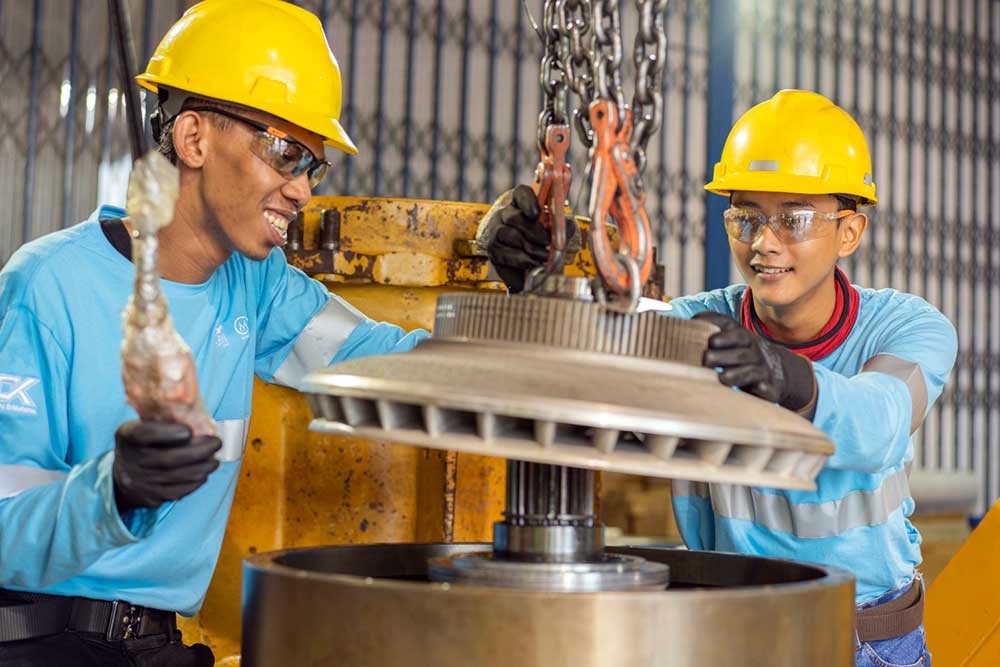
x,y
372,606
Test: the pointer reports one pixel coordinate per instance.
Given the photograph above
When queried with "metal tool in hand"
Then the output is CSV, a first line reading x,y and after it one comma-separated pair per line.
x,y
158,370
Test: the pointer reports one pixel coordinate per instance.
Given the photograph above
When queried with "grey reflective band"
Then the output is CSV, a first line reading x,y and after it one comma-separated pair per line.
x,y
682,487
17,478
812,520
908,372
319,341
233,433
763,165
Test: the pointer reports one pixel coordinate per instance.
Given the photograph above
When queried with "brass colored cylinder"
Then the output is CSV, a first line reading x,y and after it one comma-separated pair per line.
x,y
368,607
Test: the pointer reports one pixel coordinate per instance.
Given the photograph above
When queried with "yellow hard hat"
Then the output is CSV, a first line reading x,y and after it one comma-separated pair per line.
x,y
263,54
797,141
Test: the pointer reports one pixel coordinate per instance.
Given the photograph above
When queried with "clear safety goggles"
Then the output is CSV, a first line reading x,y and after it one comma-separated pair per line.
x,y
790,226
287,156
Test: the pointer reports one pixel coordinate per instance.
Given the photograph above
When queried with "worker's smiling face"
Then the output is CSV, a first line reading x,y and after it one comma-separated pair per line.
x,y
787,267
250,203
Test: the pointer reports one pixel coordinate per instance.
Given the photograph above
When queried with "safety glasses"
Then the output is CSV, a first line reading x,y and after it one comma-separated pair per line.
x,y
287,156
791,226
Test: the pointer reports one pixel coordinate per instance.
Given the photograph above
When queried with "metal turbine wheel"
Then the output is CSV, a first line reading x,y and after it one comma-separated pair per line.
x,y
570,383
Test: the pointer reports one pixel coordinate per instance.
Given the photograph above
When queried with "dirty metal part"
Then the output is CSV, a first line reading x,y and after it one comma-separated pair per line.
x,y
549,381
158,371
411,242
721,610
388,241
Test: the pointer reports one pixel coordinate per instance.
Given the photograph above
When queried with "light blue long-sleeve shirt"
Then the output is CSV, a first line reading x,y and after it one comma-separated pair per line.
x,y
61,399
857,518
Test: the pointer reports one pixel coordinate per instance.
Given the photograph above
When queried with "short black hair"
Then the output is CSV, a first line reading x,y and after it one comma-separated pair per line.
x,y
166,141
844,202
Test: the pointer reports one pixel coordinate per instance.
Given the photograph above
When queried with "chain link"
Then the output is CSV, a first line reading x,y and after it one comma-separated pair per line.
x,y
591,68
608,52
574,24
650,53
552,77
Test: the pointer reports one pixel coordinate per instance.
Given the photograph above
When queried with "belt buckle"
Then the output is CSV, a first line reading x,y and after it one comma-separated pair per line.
x,y
124,621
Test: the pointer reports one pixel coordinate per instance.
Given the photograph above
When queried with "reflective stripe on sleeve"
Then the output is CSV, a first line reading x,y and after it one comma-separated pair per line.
x,y
17,478
683,487
233,433
910,373
319,341
812,520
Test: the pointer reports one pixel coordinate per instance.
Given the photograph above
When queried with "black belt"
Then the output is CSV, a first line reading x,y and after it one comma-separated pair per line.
x,y
27,615
894,618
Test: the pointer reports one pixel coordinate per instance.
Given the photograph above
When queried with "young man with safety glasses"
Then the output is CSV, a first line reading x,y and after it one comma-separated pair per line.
x,y
863,365
111,525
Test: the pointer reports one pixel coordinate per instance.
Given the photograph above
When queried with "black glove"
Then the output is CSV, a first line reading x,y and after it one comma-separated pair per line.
x,y
159,461
515,241
758,366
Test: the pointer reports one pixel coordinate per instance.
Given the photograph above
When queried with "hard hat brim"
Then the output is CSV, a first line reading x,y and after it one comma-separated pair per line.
x,y
330,129
770,182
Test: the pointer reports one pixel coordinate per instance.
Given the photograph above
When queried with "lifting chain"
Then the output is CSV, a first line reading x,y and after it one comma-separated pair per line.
x,y
615,133
552,176
650,55
573,24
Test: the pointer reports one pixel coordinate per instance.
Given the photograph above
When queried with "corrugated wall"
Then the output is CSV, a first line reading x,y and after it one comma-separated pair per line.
x,y
442,98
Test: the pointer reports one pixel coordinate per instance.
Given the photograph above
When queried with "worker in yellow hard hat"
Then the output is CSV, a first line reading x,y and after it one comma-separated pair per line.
x,y
863,365
111,524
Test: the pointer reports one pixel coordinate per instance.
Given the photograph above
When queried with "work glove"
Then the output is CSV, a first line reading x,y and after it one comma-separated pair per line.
x,y
157,461
758,366
515,241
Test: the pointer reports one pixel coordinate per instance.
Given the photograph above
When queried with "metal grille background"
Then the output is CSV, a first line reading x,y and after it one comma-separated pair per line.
x,y
922,77
442,98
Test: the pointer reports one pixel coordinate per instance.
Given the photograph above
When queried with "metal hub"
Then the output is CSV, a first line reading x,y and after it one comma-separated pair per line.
x,y
550,539
614,573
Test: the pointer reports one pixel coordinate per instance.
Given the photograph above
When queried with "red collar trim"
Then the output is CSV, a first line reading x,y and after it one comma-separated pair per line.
x,y
845,314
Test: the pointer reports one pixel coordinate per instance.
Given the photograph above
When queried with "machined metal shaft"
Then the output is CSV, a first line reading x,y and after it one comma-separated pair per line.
x,y
550,515
540,494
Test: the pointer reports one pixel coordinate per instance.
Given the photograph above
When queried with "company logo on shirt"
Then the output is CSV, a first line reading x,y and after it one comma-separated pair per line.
x,y
221,340
242,327
14,396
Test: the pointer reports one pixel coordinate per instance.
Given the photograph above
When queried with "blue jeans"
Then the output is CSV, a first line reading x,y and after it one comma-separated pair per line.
x,y
909,650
